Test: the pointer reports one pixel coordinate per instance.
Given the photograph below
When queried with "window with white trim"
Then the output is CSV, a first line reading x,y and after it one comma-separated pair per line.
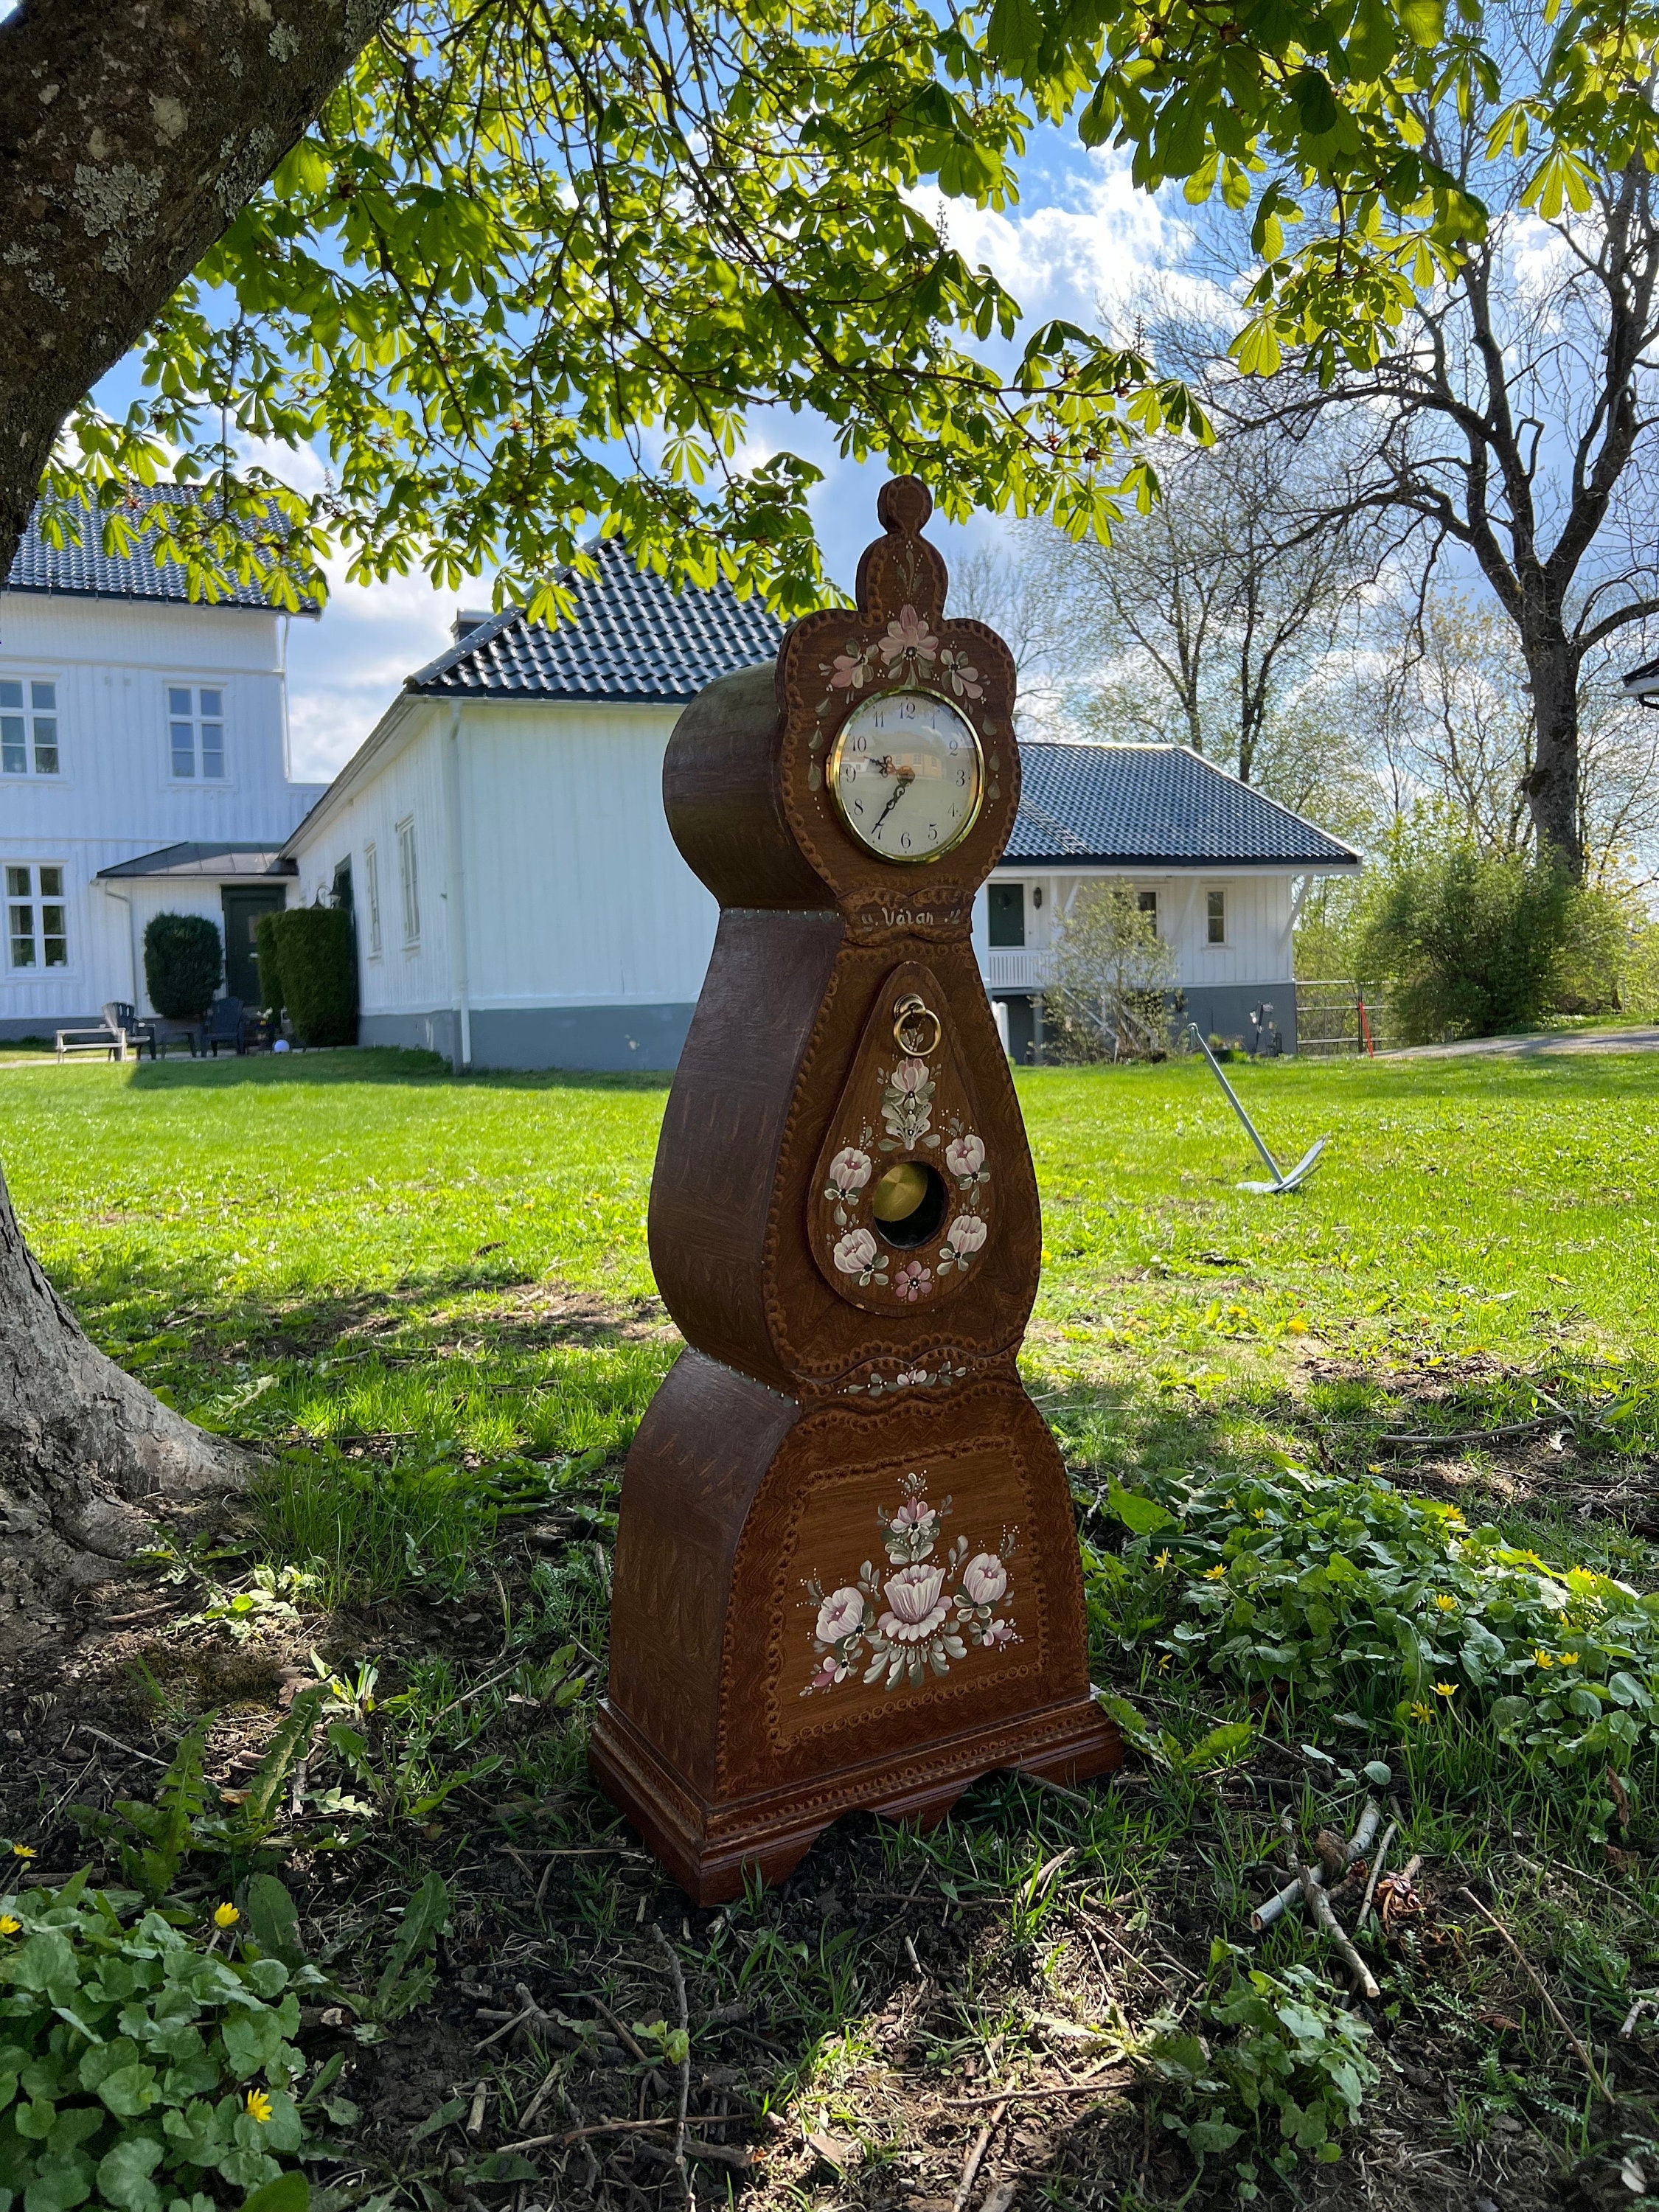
x,y
1146,905
37,920
409,882
28,725
372,893
1215,917
196,732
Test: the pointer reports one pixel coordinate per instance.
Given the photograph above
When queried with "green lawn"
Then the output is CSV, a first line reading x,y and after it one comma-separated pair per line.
x,y
431,1300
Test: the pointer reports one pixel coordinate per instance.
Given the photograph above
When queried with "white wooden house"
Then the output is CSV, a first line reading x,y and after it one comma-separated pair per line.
x,y
143,767
518,901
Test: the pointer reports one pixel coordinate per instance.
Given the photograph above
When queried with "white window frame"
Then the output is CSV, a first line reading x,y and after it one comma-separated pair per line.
x,y
199,719
1147,901
32,711
409,883
36,901
1215,896
372,896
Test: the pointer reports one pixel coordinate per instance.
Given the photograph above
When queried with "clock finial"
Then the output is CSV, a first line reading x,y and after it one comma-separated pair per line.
x,y
904,503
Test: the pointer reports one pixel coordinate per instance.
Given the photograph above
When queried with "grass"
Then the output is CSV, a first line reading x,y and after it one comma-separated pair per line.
x,y
431,1300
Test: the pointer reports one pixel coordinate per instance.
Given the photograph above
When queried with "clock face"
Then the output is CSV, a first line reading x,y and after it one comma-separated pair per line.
x,y
907,774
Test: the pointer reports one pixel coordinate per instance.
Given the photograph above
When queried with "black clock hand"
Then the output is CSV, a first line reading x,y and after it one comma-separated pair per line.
x,y
906,778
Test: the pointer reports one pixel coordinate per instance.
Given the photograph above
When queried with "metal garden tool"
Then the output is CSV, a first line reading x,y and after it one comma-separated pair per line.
x,y
1281,1182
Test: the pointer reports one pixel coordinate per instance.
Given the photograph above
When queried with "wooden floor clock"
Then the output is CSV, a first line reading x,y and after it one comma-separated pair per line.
x,y
847,1568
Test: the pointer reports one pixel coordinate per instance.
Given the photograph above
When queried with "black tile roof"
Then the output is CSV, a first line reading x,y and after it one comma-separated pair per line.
x,y
632,639
86,571
217,861
1153,805
1638,680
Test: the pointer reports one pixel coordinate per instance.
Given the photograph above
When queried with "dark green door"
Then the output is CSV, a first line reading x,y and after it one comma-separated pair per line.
x,y
244,904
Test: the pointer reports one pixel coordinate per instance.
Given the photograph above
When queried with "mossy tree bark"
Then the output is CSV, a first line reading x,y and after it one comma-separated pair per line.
x,y
132,133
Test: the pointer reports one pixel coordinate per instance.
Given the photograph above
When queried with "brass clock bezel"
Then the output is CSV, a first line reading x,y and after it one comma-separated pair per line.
x,y
832,777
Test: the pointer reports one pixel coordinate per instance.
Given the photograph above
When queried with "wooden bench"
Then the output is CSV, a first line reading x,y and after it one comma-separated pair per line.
x,y
98,1040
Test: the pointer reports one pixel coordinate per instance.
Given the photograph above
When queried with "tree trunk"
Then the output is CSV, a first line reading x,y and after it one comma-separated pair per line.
x,y
87,1456
1551,789
132,133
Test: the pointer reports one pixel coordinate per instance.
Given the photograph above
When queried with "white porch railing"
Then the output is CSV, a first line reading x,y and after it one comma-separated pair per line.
x,y
1018,968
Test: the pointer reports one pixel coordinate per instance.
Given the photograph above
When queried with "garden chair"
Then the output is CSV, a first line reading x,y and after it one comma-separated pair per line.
x,y
223,1026
134,1033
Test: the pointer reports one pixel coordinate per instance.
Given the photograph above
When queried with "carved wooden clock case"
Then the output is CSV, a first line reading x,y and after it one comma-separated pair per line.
x,y
847,1568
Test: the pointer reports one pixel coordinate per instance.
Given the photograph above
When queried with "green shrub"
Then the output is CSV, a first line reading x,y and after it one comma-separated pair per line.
x,y
271,965
182,962
139,2069
1288,2073
1474,943
1346,1596
316,964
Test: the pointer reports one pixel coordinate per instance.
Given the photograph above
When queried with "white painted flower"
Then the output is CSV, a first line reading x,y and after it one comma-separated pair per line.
x,y
968,1233
850,1169
910,1076
965,1156
855,1253
984,1579
916,1605
841,1612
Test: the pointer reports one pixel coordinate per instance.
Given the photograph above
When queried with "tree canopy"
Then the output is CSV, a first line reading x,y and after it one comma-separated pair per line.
x,y
538,265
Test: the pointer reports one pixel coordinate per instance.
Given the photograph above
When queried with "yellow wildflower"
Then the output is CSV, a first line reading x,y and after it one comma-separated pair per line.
x,y
1296,1326
1214,1574
1446,1604
1445,1689
23,1851
1543,1659
1569,1659
225,1916
7,1926
1162,1561
1420,1712
258,2105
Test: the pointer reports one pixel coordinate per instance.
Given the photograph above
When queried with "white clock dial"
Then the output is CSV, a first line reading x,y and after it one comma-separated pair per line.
x,y
907,774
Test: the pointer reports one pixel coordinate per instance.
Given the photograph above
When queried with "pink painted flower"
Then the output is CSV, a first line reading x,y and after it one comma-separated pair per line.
x,y
916,1605
850,1169
828,1675
841,1612
910,1076
984,1579
964,1156
962,674
968,1233
1000,1632
913,1513
849,672
908,638
855,1253
914,1281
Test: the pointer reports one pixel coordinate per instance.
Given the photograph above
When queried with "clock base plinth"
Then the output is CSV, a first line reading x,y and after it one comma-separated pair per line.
x,y
710,1848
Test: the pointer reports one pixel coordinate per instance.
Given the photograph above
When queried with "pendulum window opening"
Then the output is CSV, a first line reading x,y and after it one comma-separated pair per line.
x,y
908,1204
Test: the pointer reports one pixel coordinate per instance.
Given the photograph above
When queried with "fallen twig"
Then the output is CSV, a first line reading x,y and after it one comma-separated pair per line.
x,y
1533,1976
1397,1440
1042,2089
1389,1835
1321,1912
1358,1843
116,1744
623,2037
974,2157
675,1969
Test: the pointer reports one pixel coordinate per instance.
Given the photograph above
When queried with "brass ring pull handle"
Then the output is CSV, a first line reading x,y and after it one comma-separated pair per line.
x,y
916,1028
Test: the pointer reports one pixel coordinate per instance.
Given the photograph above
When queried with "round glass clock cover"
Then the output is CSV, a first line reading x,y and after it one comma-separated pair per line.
x,y
907,774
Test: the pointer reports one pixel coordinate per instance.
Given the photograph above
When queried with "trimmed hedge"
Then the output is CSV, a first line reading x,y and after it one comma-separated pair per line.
x,y
271,964
184,960
317,971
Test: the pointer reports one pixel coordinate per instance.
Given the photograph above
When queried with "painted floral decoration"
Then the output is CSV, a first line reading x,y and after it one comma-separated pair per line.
x,y
906,1105
965,1158
914,1281
851,671
849,1171
961,674
967,1234
909,643
920,1614
858,1254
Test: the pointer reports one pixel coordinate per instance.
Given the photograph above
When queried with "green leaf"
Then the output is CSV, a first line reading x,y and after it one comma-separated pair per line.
x,y
1229,1742
252,2039
291,2193
1144,1517
424,1920
1424,21
1379,1772
124,2173
273,1918
59,2184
